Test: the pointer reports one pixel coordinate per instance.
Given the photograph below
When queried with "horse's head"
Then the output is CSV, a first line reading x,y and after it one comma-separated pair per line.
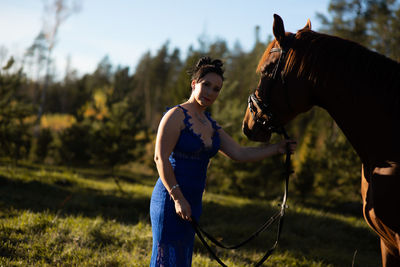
x,y
279,96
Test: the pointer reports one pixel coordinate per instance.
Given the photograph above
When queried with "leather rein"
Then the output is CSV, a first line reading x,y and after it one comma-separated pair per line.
x,y
278,216
263,118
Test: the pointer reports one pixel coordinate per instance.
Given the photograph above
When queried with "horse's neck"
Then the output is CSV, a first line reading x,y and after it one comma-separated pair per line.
x,y
362,117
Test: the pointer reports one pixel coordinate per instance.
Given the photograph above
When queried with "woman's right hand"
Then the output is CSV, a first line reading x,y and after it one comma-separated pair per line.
x,y
286,145
182,208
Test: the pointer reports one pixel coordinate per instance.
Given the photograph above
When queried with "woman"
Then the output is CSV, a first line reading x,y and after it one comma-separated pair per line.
x,y
187,138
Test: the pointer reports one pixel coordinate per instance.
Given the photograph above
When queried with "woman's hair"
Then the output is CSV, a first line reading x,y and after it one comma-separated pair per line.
x,y
206,65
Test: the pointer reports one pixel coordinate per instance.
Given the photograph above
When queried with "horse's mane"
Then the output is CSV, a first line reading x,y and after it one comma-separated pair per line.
x,y
320,54
324,59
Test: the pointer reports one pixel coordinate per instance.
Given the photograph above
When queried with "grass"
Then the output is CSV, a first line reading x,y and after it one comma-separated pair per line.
x,y
58,216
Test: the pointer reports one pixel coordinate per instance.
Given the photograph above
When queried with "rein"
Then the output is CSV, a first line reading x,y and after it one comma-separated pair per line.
x,y
277,216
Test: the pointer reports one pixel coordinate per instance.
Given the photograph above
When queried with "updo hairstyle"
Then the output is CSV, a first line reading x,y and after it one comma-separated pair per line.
x,y
204,66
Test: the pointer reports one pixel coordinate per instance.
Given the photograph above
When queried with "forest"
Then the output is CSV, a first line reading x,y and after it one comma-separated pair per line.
x,y
108,119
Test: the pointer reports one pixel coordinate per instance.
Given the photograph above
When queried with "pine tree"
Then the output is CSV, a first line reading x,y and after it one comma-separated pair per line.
x,y
14,112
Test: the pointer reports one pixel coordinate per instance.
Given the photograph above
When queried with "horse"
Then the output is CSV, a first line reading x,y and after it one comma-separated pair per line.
x,y
360,89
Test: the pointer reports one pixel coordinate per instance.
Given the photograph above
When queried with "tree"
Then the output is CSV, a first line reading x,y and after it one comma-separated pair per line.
x,y
372,23
123,84
154,78
181,90
57,13
115,140
14,111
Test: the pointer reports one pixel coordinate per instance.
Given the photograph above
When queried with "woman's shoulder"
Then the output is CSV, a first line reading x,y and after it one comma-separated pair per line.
x,y
174,115
175,112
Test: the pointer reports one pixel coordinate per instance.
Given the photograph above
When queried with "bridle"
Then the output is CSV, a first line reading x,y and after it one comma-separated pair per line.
x,y
260,110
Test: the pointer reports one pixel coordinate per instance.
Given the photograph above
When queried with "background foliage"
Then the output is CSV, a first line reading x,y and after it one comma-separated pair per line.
x,y
110,117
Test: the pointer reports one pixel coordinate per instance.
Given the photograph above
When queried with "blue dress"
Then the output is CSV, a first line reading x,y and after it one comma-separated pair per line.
x,y
173,237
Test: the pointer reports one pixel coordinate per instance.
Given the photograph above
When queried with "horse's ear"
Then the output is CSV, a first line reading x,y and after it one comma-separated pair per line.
x,y
308,25
278,28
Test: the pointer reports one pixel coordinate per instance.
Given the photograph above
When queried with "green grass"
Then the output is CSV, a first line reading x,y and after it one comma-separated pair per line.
x,y
57,216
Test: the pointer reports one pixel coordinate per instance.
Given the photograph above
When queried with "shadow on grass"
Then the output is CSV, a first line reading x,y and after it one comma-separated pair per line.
x,y
344,208
317,237
67,199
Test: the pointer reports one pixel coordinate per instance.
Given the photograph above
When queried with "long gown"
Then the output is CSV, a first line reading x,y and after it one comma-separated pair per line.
x,y
173,237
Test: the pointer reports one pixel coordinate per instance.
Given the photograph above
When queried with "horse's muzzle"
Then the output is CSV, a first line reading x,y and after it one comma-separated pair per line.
x,y
256,134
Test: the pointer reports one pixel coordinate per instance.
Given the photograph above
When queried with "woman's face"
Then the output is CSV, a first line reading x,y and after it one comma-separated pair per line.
x,y
206,90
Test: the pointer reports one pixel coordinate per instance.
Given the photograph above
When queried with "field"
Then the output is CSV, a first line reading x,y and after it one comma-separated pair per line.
x,y
59,216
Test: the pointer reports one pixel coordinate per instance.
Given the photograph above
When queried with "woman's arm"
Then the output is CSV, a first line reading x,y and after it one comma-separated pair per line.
x,y
231,149
167,137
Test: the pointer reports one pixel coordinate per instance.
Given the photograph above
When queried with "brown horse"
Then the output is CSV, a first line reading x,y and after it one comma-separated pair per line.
x,y
360,89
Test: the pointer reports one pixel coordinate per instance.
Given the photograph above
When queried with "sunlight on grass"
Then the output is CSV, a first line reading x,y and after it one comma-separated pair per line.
x,y
45,238
226,200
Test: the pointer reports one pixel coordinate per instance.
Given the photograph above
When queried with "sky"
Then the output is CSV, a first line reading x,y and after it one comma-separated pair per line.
x,y
124,30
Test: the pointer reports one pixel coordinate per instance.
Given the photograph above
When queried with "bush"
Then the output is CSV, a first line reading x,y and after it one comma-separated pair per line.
x,y
41,145
76,144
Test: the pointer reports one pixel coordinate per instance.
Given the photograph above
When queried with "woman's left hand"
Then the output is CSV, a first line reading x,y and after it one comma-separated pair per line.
x,y
286,145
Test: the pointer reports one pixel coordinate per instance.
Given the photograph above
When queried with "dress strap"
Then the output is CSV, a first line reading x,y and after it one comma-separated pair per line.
x,y
213,122
185,112
187,117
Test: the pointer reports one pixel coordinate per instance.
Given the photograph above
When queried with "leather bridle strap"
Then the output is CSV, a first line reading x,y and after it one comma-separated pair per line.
x,y
277,216
254,104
